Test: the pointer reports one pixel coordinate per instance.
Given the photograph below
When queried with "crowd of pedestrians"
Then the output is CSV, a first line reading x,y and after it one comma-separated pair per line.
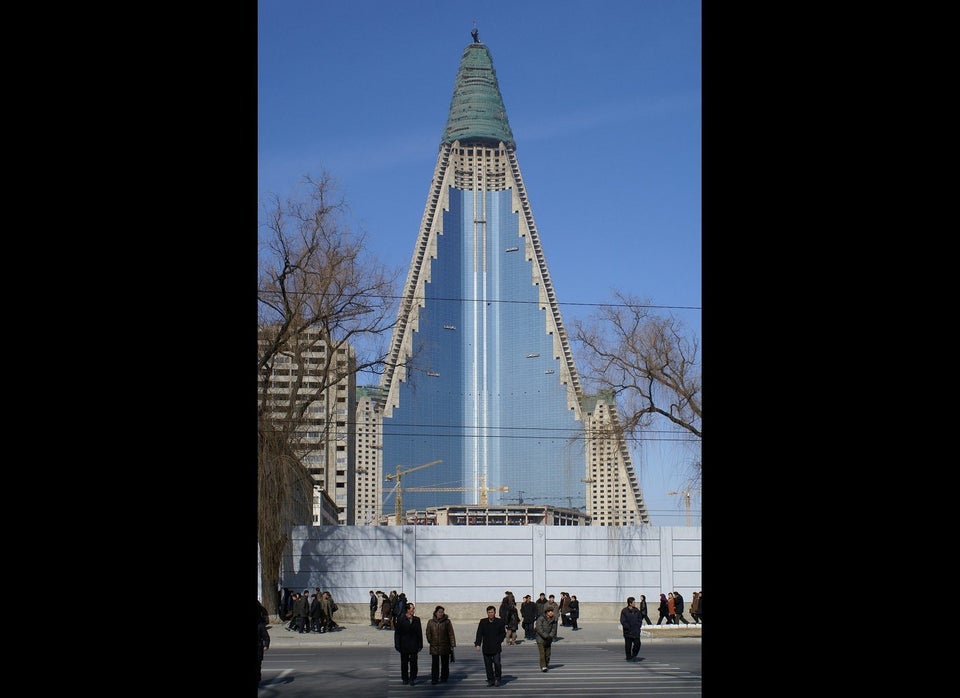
x,y
671,608
386,609
313,612
309,612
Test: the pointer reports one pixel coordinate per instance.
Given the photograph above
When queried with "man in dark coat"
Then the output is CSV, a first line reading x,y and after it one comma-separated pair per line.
x,y
541,602
528,611
678,605
491,632
408,641
546,631
632,623
301,611
400,607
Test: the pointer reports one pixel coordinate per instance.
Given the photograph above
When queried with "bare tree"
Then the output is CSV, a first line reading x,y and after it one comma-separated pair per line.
x,y
649,362
318,287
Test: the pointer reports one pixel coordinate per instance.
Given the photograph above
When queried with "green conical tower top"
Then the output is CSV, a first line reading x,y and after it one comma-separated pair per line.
x,y
476,110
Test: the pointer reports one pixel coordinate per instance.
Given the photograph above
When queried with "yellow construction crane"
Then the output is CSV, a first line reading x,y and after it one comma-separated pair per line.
x,y
397,477
482,488
686,498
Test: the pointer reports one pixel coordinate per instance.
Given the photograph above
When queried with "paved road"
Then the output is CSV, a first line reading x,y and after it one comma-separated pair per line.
x,y
587,670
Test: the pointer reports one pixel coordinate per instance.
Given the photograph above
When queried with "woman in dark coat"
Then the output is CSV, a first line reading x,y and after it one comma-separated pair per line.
x,y
663,610
510,616
574,610
643,610
442,640
408,641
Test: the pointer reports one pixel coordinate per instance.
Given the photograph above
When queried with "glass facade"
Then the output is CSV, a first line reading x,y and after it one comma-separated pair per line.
x,y
483,389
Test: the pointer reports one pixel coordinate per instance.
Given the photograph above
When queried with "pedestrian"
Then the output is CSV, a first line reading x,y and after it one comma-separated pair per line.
x,y
528,611
695,607
305,624
546,632
663,609
386,620
442,640
678,603
541,602
374,602
316,614
301,612
399,607
551,603
511,617
490,634
408,641
643,610
631,623
671,609
573,608
329,607
264,638
564,609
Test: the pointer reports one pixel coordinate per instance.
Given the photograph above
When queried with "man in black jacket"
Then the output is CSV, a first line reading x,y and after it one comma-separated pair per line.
x,y
632,626
408,641
678,605
528,610
490,635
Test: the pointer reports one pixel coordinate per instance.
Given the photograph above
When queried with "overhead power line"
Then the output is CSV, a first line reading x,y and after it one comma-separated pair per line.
x,y
490,300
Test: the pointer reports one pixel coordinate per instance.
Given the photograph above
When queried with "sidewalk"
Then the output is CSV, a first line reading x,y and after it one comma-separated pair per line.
x,y
364,635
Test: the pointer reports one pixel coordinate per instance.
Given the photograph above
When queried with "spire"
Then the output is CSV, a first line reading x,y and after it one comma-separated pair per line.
x,y
476,110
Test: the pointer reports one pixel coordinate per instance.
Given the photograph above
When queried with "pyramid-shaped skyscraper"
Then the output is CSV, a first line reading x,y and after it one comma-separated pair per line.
x,y
486,382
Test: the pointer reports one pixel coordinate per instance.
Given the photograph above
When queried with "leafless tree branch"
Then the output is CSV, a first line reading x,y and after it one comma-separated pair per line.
x,y
651,364
317,286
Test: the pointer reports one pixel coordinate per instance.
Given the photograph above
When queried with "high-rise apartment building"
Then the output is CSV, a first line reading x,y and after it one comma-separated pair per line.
x,y
368,428
488,385
293,386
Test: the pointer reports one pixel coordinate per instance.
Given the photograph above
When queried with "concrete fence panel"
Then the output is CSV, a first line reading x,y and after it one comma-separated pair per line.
x,y
465,568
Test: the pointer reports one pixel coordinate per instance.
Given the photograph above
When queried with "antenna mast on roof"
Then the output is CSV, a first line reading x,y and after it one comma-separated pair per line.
x,y
474,33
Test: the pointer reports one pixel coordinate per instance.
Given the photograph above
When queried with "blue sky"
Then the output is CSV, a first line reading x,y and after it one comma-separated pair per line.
x,y
602,96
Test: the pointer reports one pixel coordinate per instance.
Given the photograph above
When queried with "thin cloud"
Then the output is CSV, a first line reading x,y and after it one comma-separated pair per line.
x,y
601,116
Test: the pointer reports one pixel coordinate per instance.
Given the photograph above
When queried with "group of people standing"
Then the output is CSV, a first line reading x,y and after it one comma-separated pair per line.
x,y
386,610
309,612
567,611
